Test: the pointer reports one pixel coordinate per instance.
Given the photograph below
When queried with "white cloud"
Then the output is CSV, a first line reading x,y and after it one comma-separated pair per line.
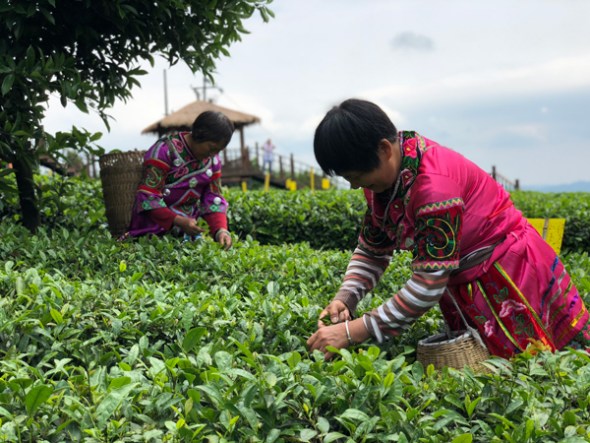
x,y
411,41
534,132
555,75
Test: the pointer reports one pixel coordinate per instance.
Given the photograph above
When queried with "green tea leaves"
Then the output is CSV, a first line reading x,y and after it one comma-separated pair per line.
x,y
36,397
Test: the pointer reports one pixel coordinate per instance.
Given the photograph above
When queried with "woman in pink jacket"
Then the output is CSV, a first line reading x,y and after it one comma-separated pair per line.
x,y
468,241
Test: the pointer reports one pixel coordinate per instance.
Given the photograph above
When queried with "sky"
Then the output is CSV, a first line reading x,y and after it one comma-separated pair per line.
x,y
505,83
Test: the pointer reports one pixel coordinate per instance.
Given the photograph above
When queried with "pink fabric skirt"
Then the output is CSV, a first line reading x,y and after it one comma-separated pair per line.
x,y
521,297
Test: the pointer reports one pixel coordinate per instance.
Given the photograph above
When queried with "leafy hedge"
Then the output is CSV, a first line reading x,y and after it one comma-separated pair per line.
x,y
63,202
330,219
324,219
156,340
573,206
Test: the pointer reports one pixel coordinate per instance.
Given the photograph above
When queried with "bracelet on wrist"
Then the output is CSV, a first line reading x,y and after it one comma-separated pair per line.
x,y
219,231
350,341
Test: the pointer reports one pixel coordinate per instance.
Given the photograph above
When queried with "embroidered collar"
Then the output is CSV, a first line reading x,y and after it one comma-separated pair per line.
x,y
411,145
184,153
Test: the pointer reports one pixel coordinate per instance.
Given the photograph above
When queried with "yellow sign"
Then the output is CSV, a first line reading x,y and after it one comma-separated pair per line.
x,y
325,183
551,229
266,181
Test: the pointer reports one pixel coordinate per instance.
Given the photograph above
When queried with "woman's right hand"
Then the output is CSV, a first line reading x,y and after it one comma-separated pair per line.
x,y
188,225
336,311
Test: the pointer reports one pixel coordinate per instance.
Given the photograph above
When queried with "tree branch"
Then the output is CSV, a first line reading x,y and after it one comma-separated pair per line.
x,y
51,163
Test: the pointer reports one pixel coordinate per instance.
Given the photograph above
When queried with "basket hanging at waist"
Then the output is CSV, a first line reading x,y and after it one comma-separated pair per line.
x,y
455,349
461,350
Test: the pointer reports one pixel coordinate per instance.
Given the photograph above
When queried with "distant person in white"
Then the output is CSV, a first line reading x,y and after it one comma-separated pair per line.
x,y
267,153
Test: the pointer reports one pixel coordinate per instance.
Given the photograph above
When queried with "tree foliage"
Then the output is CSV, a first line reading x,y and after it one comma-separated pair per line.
x,y
89,53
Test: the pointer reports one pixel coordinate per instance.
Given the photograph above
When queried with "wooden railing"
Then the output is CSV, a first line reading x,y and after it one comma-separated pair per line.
x,y
508,184
245,165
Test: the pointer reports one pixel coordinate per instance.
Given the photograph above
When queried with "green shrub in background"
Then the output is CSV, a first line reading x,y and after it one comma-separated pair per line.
x,y
574,207
325,219
63,202
331,219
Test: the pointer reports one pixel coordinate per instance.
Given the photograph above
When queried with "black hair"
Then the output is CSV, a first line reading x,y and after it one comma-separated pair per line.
x,y
212,126
347,139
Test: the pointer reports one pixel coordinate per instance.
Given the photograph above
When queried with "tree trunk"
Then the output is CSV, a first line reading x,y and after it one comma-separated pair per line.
x,y
26,192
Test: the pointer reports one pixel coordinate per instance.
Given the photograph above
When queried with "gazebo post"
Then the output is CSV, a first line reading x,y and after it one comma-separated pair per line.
x,y
241,129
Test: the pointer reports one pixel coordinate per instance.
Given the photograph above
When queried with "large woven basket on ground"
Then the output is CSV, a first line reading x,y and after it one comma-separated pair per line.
x,y
456,349
120,174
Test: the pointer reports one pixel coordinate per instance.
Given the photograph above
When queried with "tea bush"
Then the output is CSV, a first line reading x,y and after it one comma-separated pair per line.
x,y
331,219
159,340
324,219
574,207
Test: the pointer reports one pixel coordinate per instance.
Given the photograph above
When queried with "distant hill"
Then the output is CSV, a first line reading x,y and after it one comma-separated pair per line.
x,y
568,187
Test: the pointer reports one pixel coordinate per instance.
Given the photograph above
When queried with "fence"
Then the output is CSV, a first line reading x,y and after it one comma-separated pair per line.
x,y
508,184
246,166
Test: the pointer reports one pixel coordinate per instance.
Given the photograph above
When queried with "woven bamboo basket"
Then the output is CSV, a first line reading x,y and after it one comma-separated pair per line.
x,y
455,349
120,174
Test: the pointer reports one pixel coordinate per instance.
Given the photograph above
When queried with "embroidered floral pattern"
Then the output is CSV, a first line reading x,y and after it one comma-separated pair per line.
x,y
489,328
510,308
437,237
411,156
181,172
154,177
518,322
407,177
373,238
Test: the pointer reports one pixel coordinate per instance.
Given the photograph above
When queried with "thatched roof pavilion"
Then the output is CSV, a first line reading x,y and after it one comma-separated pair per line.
x,y
182,119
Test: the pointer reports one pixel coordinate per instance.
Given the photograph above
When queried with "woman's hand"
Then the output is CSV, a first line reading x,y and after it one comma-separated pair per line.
x,y
338,336
223,237
336,312
188,225
333,335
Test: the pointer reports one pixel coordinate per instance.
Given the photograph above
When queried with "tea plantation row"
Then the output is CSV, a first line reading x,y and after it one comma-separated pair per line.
x,y
326,220
156,340
330,219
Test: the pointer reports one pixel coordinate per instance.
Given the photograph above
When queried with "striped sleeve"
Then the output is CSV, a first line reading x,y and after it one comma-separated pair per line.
x,y
362,274
419,294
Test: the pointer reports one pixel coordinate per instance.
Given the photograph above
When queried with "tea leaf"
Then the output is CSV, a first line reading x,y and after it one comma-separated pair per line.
x,y
36,397
463,438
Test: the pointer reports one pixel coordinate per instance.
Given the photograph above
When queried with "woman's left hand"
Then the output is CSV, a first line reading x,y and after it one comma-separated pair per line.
x,y
337,336
224,239
333,335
